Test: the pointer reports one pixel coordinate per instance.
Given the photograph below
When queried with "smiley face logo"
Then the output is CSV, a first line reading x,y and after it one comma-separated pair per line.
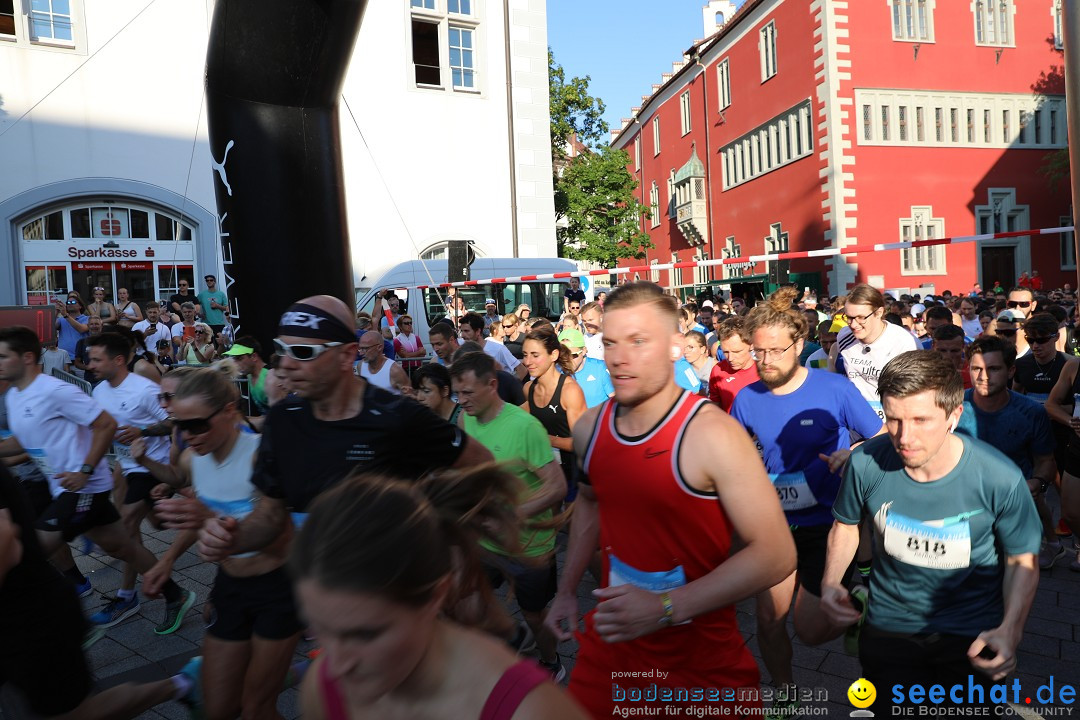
x,y
862,693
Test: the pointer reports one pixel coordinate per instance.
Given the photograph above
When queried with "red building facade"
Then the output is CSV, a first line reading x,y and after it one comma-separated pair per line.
x,y
804,125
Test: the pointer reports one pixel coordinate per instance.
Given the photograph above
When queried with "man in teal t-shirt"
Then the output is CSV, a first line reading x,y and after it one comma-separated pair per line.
x,y
955,542
213,303
518,439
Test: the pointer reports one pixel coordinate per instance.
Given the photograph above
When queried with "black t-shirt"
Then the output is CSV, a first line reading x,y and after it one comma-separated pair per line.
x,y
1038,380
571,294
301,456
181,299
33,574
83,353
510,388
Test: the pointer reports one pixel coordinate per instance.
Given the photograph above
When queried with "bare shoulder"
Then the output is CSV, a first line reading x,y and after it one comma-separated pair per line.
x,y
584,427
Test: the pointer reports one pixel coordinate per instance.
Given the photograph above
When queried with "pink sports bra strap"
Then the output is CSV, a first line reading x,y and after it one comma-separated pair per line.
x,y
331,695
517,682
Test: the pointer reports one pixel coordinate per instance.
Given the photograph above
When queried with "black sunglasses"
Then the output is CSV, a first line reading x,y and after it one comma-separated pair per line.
x,y
1018,303
196,426
1032,340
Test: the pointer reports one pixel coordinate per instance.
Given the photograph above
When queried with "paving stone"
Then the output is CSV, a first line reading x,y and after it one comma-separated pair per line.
x,y
1048,627
1040,645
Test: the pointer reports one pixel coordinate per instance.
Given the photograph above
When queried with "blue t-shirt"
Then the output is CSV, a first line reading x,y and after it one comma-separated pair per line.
x,y
939,547
792,429
69,336
1021,429
595,381
685,376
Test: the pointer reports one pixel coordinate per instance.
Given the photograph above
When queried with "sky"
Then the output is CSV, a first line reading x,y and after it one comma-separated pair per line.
x,y
622,45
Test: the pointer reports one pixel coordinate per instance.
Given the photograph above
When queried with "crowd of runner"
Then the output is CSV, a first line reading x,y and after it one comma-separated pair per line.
x,y
876,467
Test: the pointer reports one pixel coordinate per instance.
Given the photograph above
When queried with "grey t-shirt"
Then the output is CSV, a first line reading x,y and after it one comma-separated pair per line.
x,y
939,547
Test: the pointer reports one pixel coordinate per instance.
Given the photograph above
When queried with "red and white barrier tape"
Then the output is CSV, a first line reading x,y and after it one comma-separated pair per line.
x,y
827,252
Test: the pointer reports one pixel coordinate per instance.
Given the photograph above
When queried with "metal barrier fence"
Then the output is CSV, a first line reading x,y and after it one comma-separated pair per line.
x,y
73,380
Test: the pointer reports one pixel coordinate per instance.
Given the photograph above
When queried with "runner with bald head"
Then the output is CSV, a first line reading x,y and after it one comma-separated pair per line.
x,y
336,423
376,368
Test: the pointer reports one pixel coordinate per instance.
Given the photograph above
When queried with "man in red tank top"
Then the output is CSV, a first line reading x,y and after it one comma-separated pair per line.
x,y
669,479
737,369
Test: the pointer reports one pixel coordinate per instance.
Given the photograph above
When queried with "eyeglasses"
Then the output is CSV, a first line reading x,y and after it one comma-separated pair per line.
x,y
1018,303
165,396
304,352
764,355
1040,340
861,319
196,426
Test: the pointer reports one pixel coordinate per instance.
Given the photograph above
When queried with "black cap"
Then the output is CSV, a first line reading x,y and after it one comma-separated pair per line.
x,y
209,277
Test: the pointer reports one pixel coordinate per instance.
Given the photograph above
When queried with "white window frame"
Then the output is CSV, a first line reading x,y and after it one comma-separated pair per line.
x,y
22,20
462,68
656,135
1043,129
458,13
912,20
701,272
1001,202
723,83
992,19
671,194
637,153
767,50
922,225
437,12
654,275
1056,13
1067,246
784,139
654,205
685,115
52,19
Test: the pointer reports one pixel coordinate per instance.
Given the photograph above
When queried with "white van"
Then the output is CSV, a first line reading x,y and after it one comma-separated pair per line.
x,y
428,306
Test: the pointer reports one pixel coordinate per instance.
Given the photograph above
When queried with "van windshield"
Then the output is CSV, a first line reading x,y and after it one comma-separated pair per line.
x,y
543,298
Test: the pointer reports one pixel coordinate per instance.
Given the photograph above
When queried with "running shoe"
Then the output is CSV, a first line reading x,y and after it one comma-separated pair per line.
x,y
1049,555
859,596
784,709
85,589
174,613
1063,529
193,698
116,611
557,670
95,633
523,641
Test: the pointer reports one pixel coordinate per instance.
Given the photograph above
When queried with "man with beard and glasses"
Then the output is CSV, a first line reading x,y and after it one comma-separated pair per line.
x,y
802,421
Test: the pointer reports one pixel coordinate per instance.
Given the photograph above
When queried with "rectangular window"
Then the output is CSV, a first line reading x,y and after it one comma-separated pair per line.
x,y
723,78
927,260
51,20
920,125
867,122
783,139
970,125
954,124
671,193
48,227
1006,136
460,7
902,122
1058,28
462,64
912,20
1038,129
425,4
7,17
885,123
637,153
684,108
655,136
767,46
43,282
654,205
994,22
1053,126
425,49
988,129
1022,132
939,124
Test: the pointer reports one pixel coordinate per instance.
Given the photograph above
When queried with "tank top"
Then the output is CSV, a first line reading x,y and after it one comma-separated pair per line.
x,y
513,686
105,311
555,420
1038,380
658,532
380,379
226,488
862,363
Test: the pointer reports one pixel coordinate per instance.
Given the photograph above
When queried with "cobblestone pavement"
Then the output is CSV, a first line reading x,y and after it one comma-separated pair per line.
x,y
132,652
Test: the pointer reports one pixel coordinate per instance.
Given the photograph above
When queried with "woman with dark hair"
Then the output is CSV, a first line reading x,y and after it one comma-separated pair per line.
x,y
552,395
432,385
377,565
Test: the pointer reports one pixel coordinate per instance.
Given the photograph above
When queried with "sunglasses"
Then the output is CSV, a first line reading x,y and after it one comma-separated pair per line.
x,y
576,355
1040,340
1018,303
196,426
507,327
72,302
304,352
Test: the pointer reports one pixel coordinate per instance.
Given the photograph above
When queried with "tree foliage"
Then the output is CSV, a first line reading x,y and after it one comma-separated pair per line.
x,y
594,192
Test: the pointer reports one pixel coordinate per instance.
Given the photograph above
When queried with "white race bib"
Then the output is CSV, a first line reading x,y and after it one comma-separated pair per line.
x,y
121,451
876,405
42,461
793,491
935,544
619,573
557,454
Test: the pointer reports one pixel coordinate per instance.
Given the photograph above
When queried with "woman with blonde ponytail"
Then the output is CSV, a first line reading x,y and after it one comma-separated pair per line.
x,y
377,564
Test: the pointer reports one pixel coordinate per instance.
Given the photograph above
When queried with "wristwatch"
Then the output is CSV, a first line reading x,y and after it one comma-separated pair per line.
x,y
87,469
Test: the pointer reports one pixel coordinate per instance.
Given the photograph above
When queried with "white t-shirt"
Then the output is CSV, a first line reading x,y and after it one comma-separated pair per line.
x,y
51,420
594,346
134,402
972,328
818,359
501,354
162,333
863,363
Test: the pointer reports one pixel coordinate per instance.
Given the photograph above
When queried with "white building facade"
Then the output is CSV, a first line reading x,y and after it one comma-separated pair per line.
x,y
108,180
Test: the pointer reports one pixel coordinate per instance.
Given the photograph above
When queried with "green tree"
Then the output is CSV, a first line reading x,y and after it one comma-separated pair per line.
x,y
603,218
594,192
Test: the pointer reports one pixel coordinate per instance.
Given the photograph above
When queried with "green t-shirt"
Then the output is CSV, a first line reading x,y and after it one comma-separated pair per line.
x,y
258,391
516,437
210,315
939,547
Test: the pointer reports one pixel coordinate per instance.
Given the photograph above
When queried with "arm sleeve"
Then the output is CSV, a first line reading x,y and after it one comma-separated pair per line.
x,y
1017,526
267,475
847,508
442,442
73,404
